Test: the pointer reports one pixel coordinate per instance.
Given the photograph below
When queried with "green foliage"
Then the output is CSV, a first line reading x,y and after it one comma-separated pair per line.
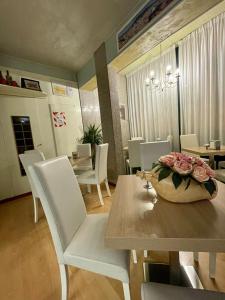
x,y
210,186
177,179
164,173
92,135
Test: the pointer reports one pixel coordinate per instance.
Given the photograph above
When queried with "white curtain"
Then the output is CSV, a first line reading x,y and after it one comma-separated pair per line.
x,y
153,113
202,90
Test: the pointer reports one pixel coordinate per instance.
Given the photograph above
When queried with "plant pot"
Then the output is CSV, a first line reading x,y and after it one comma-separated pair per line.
x,y
195,192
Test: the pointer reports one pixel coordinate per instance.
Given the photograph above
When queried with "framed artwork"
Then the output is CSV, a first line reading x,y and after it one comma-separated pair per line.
x,y
148,15
59,89
59,119
30,84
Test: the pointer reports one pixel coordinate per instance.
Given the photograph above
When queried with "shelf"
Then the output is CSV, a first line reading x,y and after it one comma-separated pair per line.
x,y
20,92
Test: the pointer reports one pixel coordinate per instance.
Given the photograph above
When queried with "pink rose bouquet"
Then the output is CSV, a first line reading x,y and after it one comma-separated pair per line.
x,y
185,168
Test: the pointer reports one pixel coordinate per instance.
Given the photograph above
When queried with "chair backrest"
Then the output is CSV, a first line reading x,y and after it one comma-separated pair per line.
x,y
35,151
101,157
151,152
134,153
61,199
84,150
27,159
189,140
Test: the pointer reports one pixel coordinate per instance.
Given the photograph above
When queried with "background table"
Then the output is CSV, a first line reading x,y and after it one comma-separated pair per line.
x,y
202,151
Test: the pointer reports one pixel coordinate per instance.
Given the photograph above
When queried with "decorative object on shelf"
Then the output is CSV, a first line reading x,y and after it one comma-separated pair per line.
x,y
180,178
167,78
59,89
2,79
59,119
92,135
30,84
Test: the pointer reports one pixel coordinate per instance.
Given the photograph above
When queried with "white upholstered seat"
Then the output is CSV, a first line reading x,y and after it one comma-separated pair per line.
x,y
78,238
157,291
98,175
28,158
134,160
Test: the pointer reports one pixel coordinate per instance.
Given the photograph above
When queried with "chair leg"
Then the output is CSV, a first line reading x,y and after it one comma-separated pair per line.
x,y
126,291
130,171
35,209
64,281
100,194
89,188
107,187
196,256
134,255
212,265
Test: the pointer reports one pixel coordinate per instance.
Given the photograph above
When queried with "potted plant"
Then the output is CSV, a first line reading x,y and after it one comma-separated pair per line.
x,y
178,177
93,136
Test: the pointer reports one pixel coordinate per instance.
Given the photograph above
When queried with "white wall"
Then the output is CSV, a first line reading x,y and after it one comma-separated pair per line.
x,y
53,141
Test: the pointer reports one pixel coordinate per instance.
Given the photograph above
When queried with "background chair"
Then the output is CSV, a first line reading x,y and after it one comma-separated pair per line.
x,y
78,238
98,175
157,291
134,160
29,158
84,150
151,152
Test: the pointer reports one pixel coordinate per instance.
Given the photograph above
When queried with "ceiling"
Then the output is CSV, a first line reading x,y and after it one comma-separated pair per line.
x,y
60,33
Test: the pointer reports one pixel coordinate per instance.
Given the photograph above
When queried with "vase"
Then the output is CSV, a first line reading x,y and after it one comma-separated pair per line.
x,y
195,192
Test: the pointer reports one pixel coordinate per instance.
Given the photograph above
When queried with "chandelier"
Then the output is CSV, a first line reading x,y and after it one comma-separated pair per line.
x,y
167,78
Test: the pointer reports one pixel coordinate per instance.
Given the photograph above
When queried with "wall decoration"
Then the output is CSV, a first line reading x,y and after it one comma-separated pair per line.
x,y
30,84
7,80
59,89
149,14
122,112
59,119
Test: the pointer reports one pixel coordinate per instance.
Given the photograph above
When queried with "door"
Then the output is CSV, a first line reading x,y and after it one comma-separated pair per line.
x,y
12,183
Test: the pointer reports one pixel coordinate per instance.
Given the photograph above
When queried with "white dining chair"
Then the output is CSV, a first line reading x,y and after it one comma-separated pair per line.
x,y
78,238
150,153
28,158
99,174
158,291
134,160
84,150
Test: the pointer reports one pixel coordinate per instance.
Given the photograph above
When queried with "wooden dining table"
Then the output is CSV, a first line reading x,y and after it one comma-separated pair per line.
x,y
137,221
203,151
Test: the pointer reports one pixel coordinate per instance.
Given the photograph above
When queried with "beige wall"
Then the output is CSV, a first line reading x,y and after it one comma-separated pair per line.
x,y
52,141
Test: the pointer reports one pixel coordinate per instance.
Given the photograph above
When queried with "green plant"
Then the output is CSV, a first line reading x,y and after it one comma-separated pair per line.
x,y
92,135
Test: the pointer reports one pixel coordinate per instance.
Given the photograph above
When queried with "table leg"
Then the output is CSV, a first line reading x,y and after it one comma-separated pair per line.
x,y
175,270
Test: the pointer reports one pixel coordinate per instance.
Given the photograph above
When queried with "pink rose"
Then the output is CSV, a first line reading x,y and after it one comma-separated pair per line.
x,y
167,160
198,161
210,172
182,156
200,174
183,167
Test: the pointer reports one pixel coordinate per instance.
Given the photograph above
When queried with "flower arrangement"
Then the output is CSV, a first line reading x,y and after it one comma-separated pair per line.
x,y
184,168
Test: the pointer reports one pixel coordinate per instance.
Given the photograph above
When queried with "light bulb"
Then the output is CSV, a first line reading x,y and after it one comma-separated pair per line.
x,y
147,81
152,74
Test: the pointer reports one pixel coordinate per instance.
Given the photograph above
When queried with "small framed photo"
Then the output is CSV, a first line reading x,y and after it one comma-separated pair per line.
x,y
30,84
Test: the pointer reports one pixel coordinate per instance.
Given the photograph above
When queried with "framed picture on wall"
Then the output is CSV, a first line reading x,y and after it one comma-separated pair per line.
x,y
148,15
30,84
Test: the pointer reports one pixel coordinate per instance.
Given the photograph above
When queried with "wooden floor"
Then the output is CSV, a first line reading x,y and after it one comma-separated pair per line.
x,y
29,269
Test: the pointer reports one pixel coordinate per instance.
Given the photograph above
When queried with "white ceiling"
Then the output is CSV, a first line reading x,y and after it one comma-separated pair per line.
x,y
60,33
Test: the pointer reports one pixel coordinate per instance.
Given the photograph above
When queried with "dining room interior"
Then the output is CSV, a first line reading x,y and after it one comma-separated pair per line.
x,y
112,150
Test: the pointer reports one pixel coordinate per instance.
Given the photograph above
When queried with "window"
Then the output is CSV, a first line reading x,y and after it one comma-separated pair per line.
x,y
23,136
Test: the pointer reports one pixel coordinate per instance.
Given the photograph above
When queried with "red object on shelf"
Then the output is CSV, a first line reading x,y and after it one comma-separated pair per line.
x,y
14,83
2,79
